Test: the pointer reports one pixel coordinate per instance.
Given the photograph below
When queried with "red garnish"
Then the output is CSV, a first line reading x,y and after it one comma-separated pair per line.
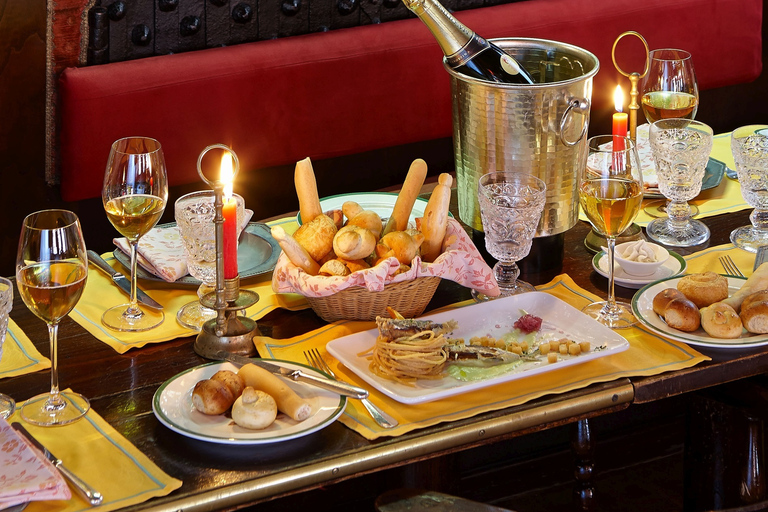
x,y
528,323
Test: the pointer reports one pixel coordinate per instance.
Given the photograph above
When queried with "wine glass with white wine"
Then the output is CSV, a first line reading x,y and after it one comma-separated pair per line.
x,y
669,90
134,195
51,270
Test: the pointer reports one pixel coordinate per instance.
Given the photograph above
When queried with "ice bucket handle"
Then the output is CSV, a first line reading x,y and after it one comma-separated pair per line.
x,y
580,106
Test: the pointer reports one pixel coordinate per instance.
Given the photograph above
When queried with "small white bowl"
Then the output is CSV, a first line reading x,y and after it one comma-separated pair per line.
x,y
641,268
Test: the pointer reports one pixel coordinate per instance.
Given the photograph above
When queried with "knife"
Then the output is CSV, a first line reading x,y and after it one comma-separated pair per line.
x,y
336,386
761,256
121,281
90,494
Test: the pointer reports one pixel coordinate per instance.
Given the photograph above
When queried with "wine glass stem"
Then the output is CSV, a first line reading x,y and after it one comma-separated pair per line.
x,y
55,401
506,275
611,250
133,309
678,212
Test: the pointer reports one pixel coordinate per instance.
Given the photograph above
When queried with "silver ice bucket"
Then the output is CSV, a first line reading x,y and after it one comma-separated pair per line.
x,y
540,129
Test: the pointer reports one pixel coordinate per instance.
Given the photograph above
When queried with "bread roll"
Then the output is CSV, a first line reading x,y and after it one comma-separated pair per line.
x,y
401,212
720,320
316,236
354,243
212,397
369,220
334,268
682,314
400,244
704,289
306,190
435,220
351,208
355,265
754,283
288,402
754,312
295,252
254,409
232,380
663,298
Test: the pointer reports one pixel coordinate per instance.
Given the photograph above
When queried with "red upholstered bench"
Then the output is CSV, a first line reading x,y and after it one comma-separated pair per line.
x,y
353,90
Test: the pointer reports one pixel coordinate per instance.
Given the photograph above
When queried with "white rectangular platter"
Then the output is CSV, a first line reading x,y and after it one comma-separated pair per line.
x,y
493,318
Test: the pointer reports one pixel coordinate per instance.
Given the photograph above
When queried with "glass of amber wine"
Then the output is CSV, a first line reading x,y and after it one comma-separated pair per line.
x,y
610,194
669,90
134,195
51,270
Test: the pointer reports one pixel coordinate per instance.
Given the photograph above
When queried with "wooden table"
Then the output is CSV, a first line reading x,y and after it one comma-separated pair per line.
x,y
121,386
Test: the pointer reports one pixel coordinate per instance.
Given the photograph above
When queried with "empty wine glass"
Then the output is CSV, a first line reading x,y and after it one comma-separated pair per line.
x,y
681,150
51,270
195,214
750,152
610,194
669,90
7,404
511,204
134,195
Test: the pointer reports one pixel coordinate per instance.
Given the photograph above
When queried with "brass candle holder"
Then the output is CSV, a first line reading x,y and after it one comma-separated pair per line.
x,y
634,77
229,331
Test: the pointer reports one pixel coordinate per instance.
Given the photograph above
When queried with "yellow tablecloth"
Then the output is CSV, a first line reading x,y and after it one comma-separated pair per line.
x,y
19,354
100,293
649,354
707,259
103,458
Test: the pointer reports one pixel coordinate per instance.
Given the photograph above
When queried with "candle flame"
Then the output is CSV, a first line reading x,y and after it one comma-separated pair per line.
x,y
226,174
618,99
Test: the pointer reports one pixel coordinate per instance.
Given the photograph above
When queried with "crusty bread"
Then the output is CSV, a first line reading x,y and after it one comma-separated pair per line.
x,y
754,283
212,397
754,312
682,314
664,297
354,243
704,289
720,320
316,236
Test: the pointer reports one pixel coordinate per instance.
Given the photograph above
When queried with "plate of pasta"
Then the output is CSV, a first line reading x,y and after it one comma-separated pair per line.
x,y
480,345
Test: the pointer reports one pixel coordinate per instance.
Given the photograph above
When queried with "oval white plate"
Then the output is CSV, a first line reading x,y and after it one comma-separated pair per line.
x,y
642,307
172,405
379,202
675,265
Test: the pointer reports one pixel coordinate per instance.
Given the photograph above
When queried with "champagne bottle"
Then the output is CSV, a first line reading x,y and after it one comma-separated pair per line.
x,y
466,52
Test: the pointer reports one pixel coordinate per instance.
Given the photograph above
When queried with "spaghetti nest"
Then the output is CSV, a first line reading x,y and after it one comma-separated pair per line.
x,y
418,356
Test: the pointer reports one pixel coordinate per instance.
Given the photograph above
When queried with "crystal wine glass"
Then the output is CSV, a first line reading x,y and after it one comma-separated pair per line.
x,y
610,194
511,204
195,214
669,90
7,404
750,152
134,195
680,150
51,270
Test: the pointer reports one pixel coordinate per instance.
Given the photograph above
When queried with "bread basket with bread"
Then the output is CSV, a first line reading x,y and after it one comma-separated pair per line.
x,y
352,265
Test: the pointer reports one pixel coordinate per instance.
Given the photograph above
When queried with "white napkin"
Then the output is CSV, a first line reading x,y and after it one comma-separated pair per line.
x,y
161,252
25,474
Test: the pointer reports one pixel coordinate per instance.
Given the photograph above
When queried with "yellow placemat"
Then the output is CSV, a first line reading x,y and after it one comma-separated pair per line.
x,y
100,294
19,354
648,354
103,458
707,260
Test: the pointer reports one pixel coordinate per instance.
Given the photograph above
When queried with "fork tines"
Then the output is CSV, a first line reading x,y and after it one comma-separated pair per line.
x,y
729,266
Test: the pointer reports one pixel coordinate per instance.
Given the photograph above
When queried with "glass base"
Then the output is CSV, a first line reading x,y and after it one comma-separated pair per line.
x,y
749,238
193,315
518,288
658,209
693,232
7,406
617,317
594,241
48,410
119,319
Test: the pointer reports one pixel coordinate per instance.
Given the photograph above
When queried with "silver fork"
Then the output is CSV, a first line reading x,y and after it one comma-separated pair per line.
x,y
380,417
729,266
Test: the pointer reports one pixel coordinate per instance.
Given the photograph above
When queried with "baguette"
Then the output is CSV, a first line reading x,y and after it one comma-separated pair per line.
x,y
306,190
756,282
414,180
435,220
295,252
288,402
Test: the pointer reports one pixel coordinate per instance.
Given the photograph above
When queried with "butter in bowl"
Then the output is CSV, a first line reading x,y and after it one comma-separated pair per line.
x,y
640,258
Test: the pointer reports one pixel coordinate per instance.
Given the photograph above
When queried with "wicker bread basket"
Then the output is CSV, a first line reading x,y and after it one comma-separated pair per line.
x,y
409,298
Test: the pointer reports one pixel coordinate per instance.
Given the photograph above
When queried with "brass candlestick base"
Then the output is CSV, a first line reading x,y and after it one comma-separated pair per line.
x,y
228,331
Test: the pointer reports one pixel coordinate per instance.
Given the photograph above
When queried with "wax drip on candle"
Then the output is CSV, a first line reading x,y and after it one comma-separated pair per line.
x,y
230,218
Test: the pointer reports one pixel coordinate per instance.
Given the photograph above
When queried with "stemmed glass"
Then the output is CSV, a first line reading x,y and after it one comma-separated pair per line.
x,y
195,214
51,270
610,194
134,195
7,404
669,90
680,151
750,152
511,204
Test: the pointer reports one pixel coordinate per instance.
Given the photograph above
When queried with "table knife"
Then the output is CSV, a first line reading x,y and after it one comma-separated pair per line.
x,y
335,386
89,493
123,282
761,256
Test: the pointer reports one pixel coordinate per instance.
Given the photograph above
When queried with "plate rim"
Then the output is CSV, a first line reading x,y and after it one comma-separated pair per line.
x,y
257,229
392,195
760,340
171,425
637,282
386,387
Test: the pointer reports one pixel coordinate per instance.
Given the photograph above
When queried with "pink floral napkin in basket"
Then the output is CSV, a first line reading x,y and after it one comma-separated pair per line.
x,y
25,475
161,252
460,262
